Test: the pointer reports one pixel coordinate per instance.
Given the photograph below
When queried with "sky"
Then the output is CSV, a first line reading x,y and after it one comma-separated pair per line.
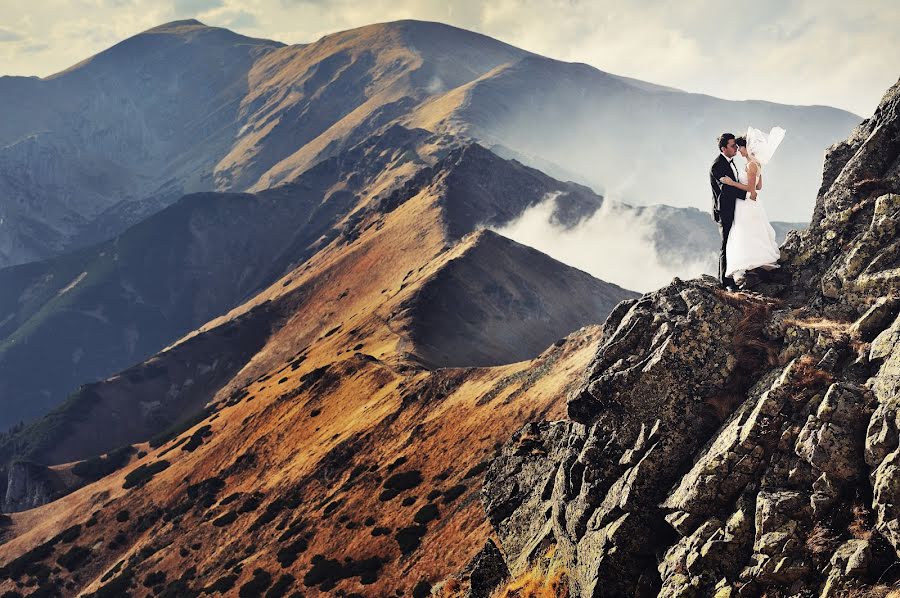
x,y
830,52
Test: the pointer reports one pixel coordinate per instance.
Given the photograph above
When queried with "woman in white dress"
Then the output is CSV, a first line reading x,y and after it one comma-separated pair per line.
x,y
751,242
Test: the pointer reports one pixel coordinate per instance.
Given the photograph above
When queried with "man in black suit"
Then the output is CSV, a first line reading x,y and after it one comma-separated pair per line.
x,y
724,198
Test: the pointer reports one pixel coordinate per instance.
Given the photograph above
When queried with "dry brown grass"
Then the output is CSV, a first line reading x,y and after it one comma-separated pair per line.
x,y
751,349
836,330
859,523
548,578
821,540
807,374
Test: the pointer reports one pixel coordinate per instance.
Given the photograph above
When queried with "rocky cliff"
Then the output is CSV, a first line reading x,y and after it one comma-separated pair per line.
x,y
731,444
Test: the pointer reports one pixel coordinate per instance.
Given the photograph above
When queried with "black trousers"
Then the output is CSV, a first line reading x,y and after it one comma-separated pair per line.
x,y
725,228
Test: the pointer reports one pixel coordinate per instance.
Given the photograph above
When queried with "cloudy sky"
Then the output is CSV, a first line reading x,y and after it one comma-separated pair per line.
x,y
830,52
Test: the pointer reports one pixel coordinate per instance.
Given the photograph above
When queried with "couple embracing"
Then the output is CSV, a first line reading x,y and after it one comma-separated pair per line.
x,y
749,248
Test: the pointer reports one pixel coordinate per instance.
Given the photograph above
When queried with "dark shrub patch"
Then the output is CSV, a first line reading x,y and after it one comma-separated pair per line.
x,y
427,513
174,446
70,534
422,589
332,331
295,528
205,491
226,519
477,469
332,507
231,498
252,503
197,438
74,558
326,573
454,493
117,586
433,494
144,474
179,427
309,379
242,463
410,537
408,501
380,531
287,555
403,481
261,580
388,494
122,515
396,463
369,521
146,520
154,579
315,412
269,513
280,587
283,380
118,541
30,561
97,467
223,584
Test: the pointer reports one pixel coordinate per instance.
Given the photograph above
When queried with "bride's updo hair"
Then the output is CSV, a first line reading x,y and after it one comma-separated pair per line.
x,y
741,141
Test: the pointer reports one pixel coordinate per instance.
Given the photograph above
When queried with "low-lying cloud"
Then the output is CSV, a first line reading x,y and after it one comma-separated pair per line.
x,y
615,244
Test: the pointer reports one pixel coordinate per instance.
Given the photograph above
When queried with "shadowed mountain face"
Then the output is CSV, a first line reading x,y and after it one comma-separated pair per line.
x,y
148,117
185,107
85,315
513,298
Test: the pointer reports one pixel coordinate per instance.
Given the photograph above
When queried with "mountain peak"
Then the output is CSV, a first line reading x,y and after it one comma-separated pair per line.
x,y
180,26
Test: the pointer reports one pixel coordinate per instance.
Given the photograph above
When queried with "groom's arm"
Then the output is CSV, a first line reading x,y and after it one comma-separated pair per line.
x,y
716,191
728,190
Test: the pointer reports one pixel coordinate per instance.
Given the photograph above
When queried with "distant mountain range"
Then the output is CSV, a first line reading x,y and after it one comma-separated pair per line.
x,y
184,107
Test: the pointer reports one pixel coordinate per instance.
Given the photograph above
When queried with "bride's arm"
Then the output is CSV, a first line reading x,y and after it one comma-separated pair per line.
x,y
753,179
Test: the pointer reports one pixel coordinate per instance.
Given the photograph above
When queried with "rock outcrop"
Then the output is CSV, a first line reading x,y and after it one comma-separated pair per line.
x,y
736,444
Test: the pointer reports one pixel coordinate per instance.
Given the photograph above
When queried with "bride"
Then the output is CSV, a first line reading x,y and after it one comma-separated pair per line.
x,y
751,243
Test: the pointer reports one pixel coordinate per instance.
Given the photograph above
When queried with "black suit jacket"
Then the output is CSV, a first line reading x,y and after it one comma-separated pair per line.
x,y
724,196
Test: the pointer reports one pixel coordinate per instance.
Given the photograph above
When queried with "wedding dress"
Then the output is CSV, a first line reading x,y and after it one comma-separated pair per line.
x,y
751,242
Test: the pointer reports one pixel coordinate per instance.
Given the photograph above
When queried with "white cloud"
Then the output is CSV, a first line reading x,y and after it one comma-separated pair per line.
x,y
614,244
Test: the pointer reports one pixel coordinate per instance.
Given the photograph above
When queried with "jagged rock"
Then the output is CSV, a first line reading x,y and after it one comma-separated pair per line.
x,y
485,571
28,485
833,440
734,458
876,318
517,488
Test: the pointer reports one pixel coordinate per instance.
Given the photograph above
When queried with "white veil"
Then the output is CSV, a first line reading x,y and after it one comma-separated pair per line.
x,y
762,146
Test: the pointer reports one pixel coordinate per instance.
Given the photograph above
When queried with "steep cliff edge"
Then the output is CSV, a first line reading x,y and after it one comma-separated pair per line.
x,y
731,444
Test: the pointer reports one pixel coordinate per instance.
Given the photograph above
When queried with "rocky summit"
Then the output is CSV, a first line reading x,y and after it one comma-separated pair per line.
x,y
729,444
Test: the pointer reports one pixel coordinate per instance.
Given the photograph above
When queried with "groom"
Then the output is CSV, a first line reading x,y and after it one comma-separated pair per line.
x,y
724,198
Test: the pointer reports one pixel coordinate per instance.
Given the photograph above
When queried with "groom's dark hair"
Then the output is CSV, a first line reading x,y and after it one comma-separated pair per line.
x,y
741,141
723,139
